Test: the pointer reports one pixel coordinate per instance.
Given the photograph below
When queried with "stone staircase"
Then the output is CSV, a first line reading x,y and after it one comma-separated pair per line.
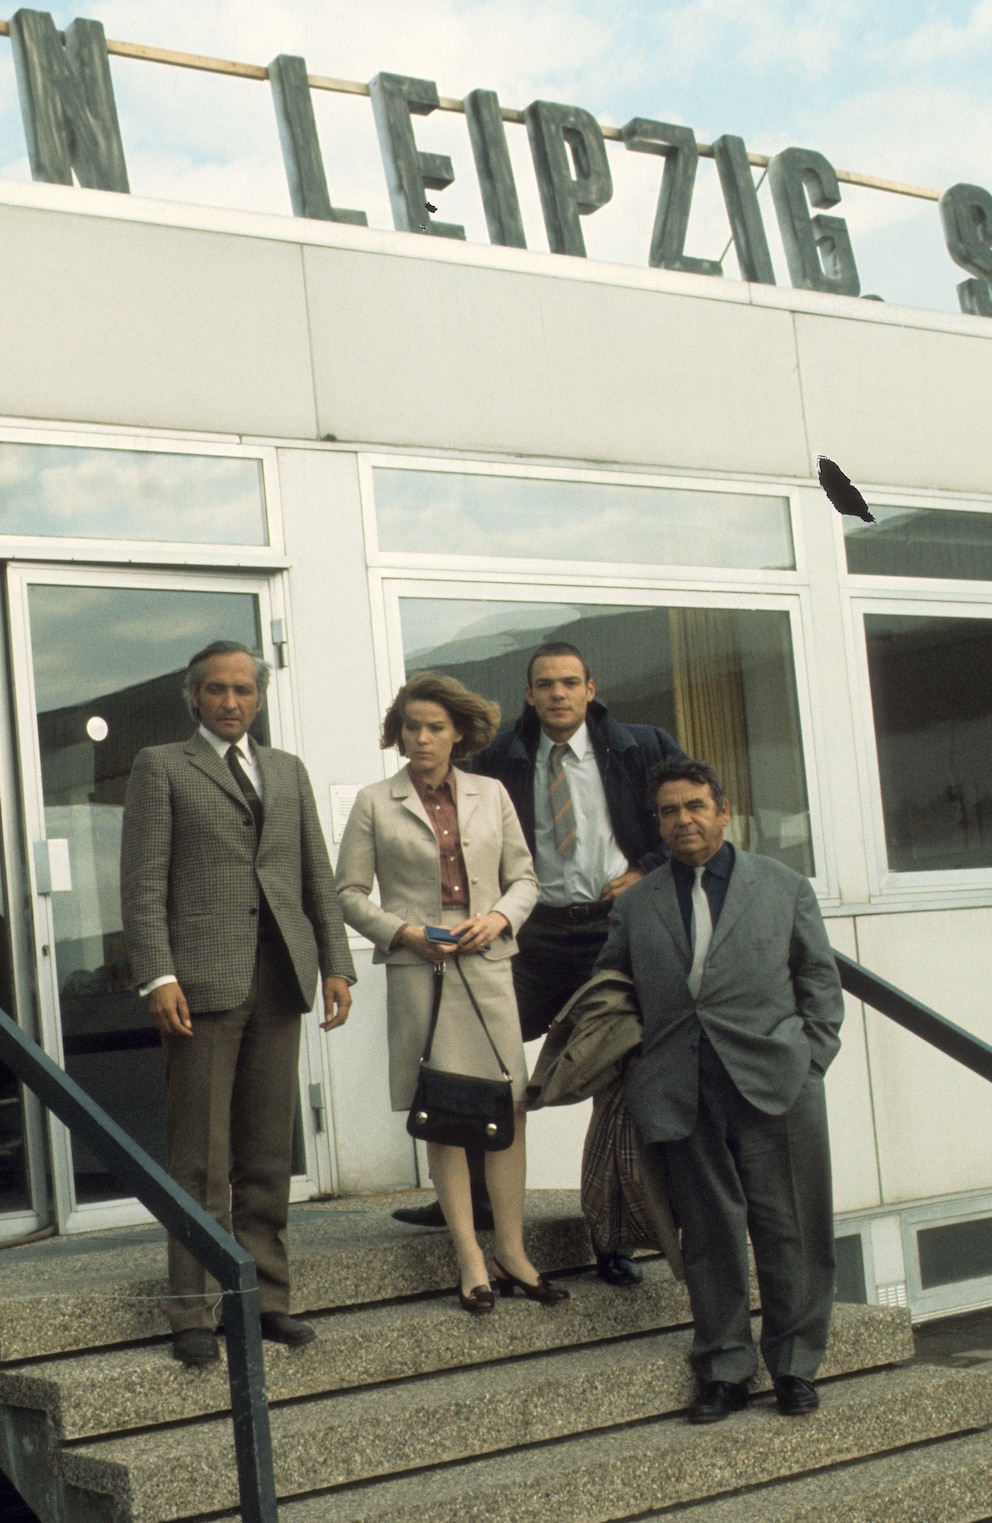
x,y
405,1410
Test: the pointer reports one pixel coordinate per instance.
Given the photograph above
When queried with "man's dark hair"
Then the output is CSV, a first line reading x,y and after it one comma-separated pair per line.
x,y
688,771
194,672
556,648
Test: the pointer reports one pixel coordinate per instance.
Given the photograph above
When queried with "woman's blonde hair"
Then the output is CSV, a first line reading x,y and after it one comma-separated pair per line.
x,y
476,717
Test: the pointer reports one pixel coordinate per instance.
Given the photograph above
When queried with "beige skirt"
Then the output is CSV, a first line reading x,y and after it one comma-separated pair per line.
x,y
460,1044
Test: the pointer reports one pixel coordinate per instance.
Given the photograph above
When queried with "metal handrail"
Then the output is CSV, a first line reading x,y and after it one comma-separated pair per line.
x,y
230,1264
923,1022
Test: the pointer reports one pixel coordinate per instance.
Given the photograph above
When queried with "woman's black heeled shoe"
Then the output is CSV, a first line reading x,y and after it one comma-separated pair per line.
x,y
479,1300
544,1291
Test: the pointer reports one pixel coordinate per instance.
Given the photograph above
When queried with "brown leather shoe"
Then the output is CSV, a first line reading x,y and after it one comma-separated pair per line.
x,y
479,1300
545,1291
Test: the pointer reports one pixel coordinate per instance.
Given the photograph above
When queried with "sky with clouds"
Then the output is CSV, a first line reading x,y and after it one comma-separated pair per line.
x,y
897,88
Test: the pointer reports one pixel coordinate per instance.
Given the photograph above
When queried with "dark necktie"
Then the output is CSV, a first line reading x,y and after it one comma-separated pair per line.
x,y
244,782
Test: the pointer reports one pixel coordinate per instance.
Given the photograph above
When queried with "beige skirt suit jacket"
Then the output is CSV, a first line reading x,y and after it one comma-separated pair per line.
x,y
390,841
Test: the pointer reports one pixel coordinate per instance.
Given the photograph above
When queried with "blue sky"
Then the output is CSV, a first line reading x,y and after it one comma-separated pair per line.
x,y
898,89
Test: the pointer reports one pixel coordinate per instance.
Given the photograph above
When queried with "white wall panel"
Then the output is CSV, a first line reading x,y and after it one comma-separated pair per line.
x,y
118,322
332,659
849,1101
903,406
423,353
933,1117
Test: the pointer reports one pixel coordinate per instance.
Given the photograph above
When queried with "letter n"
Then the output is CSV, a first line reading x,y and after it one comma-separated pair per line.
x,y
67,102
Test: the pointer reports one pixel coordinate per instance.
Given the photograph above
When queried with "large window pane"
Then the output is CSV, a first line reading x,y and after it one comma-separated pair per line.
x,y
443,512
931,692
721,681
82,493
921,542
108,668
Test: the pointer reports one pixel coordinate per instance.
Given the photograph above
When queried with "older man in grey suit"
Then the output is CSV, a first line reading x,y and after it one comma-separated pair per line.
x,y
742,1004
229,911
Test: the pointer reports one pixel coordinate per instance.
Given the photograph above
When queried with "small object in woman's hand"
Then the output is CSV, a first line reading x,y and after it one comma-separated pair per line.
x,y
440,933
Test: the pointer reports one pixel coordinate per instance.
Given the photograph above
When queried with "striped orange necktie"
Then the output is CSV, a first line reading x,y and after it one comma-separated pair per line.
x,y
562,812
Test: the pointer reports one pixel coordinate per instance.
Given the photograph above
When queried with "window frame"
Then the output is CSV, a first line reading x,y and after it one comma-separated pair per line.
x,y
622,572
914,598
389,587
165,553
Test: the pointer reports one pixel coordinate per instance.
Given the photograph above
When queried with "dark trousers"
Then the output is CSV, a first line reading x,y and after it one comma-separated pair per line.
x,y
231,1105
554,959
743,1172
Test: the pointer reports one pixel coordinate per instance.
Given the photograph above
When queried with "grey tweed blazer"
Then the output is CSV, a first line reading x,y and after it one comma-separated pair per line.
x,y
192,880
770,1002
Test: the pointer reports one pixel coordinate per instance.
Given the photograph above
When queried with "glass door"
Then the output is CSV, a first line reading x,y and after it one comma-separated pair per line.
x,y
98,660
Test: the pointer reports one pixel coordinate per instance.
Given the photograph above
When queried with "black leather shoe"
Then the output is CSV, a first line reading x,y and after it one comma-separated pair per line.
x,y
195,1345
421,1216
433,1216
618,1269
280,1328
795,1397
716,1400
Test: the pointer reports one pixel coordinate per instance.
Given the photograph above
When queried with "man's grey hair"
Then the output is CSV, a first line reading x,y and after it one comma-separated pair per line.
x,y
193,675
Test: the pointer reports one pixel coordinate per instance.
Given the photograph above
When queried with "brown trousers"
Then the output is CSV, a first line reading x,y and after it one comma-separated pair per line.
x,y
230,1109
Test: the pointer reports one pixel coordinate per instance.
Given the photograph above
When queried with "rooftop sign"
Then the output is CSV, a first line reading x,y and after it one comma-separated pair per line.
x,y
71,126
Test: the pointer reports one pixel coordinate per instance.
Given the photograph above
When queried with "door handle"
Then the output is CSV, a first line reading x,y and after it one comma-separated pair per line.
x,y
52,870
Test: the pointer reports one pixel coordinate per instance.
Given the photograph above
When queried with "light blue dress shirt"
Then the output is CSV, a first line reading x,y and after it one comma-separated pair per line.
x,y
581,878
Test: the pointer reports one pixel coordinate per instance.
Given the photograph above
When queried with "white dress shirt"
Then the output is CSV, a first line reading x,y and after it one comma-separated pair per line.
x,y
581,878
245,755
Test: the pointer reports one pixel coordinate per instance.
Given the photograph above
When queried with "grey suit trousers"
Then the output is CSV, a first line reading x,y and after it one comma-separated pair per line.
x,y
231,1105
740,1172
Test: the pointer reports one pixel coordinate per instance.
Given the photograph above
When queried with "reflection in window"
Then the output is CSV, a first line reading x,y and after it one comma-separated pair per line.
x,y
722,681
443,512
108,667
931,693
83,493
921,542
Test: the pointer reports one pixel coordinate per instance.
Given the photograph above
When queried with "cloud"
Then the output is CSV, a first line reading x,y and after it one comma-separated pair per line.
x,y
938,40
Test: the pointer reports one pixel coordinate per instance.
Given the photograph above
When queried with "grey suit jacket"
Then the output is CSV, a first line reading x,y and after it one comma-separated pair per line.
x,y
770,1001
389,837
192,880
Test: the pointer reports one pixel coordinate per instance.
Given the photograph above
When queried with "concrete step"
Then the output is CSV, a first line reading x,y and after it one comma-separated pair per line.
x,y
948,1482
338,1440
76,1293
107,1392
659,1465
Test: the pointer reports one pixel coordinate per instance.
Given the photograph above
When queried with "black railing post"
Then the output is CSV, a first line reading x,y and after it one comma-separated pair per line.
x,y
963,1046
230,1264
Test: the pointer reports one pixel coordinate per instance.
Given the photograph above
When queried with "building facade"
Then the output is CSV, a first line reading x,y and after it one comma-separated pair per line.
x,y
365,453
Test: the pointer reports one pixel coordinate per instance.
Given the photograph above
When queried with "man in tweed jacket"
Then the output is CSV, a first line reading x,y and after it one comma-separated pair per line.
x,y
230,912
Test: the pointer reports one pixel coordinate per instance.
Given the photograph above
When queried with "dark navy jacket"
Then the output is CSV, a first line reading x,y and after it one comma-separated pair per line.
x,y
626,754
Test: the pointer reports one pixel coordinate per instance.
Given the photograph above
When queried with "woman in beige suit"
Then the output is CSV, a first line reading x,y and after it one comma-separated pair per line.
x,y
447,849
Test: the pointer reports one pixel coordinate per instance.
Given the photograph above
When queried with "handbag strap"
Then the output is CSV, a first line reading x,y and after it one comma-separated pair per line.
x,y
439,968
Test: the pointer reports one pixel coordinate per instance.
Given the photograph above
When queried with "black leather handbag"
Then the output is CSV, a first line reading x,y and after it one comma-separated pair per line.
x,y
457,1109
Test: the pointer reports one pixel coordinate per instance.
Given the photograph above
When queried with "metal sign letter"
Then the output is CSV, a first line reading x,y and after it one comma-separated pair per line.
x,y
67,102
